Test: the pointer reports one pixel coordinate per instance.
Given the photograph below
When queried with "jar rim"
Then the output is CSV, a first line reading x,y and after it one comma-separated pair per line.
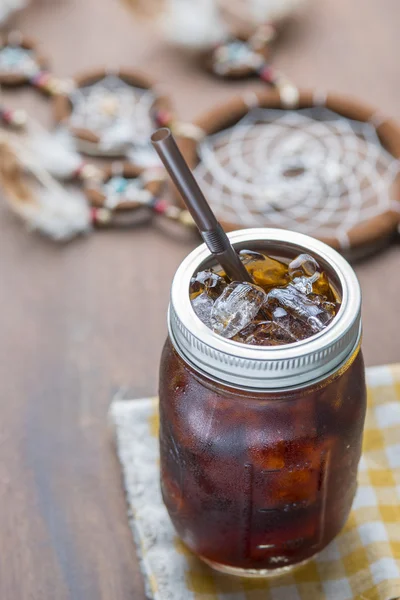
x,y
266,367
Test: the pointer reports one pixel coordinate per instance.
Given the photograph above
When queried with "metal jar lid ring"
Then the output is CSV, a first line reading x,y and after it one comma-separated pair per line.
x,y
266,368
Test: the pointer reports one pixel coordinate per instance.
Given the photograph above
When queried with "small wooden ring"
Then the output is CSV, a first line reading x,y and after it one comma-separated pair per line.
x,y
236,72
97,197
87,140
17,79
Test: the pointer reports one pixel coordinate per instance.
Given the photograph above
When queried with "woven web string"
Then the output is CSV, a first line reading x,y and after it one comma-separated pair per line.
x,y
15,59
114,110
310,170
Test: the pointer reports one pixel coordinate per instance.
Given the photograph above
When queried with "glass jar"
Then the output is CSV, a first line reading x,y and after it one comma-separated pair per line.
x,y
260,445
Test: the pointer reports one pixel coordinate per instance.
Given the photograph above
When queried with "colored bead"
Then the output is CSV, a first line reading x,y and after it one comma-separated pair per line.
x,y
55,86
289,94
160,206
189,130
267,74
18,117
7,115
41,79
163,117
186,218
79,170
100,216
173,212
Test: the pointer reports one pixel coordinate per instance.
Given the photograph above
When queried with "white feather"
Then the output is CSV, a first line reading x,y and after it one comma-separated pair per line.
x,y
55,152
36,196
59,215
55,212
193,24
273,10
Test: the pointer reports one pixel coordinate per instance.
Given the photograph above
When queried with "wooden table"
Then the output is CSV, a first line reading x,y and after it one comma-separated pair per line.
x,y
80,321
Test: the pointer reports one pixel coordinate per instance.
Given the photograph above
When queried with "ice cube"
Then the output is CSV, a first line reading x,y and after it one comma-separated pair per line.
x,y
237,306
304,264
279,313
295,327
308,278
202,306
322,287
300,307
316,287
267,272
269,333
305,284
209,282
330,307
249,256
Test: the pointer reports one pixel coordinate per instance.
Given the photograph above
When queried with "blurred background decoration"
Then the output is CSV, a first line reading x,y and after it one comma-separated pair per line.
x,y
231,39
108,113
36,197
327,166
113,112
323,165
201,24
8,8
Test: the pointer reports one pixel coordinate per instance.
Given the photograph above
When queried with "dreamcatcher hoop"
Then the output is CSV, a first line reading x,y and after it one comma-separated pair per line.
x,y
14,42
152,110
126,194
243,54
151,184
362,236
21,64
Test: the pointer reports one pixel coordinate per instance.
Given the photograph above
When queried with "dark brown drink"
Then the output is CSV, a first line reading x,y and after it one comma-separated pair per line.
x,y
259,481
260,442
287,301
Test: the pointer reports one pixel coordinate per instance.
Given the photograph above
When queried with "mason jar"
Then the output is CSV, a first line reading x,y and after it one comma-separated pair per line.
x,y
260,445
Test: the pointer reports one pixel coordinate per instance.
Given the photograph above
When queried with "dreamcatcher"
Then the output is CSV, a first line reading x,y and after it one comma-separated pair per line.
x,y
112,113
125,193
232,38
324,166
105,113
21,64
329,168
122,194
36,197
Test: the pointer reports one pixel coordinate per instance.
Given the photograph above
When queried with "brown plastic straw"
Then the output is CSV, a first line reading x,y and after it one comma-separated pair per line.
x,y
210,229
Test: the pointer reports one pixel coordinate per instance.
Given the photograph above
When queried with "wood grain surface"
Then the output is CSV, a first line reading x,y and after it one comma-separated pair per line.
x,y
80,321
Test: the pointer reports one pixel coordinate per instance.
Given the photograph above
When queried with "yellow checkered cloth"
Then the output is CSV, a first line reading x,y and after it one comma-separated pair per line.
x,y
362,563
